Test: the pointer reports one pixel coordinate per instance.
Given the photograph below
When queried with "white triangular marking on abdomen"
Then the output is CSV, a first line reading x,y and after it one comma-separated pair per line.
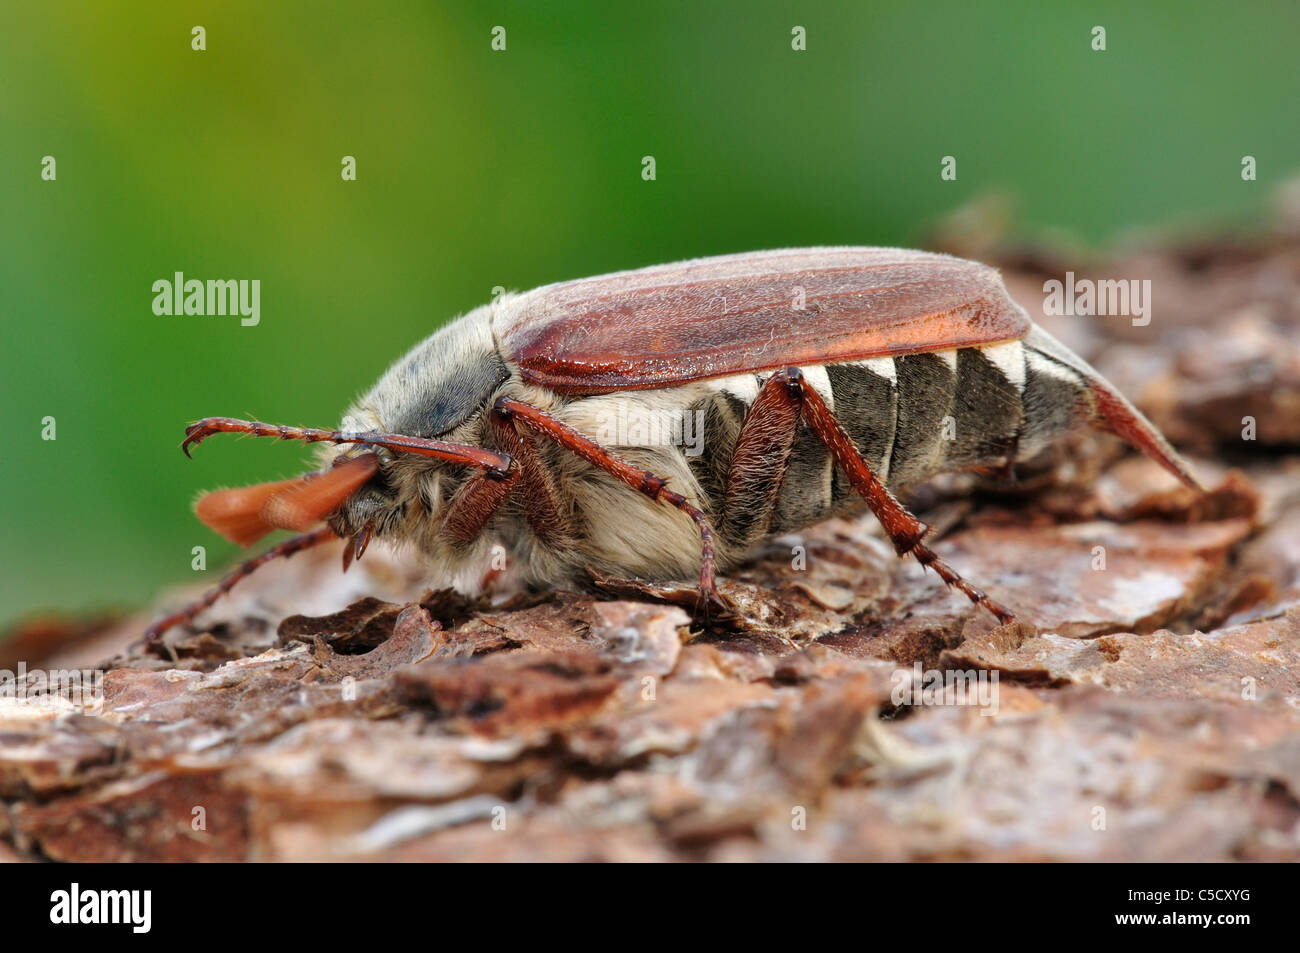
x,y
821,383
744,387
1050,367
880,366
1009,358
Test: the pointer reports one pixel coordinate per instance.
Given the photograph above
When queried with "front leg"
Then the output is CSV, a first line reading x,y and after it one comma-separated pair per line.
x,y
290,546
475,503
537,495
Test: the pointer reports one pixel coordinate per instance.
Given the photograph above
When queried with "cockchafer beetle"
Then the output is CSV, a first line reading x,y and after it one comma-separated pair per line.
x,y
820,378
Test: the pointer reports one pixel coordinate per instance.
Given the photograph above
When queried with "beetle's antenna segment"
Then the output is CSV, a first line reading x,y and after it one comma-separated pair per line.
x,y
285,549
494,463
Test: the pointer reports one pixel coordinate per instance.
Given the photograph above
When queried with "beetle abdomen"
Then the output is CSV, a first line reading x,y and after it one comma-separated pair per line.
x,y
911,418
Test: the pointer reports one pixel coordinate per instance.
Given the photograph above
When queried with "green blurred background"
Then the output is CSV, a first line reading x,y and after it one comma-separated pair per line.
x,y
479,168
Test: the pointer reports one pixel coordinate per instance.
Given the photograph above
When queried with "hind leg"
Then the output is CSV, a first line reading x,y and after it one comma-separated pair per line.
x,y
763,449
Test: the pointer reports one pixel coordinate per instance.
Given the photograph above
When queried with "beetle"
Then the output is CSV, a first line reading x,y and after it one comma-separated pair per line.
x,y
821,379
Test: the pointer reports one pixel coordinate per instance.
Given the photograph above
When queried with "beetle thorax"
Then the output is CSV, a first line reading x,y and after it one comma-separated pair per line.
x,y
437,385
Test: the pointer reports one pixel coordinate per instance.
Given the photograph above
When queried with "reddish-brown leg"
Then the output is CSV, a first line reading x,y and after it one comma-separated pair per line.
x,y
642,481
537,493
285,549
470,509
452,452
759,461
904,530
